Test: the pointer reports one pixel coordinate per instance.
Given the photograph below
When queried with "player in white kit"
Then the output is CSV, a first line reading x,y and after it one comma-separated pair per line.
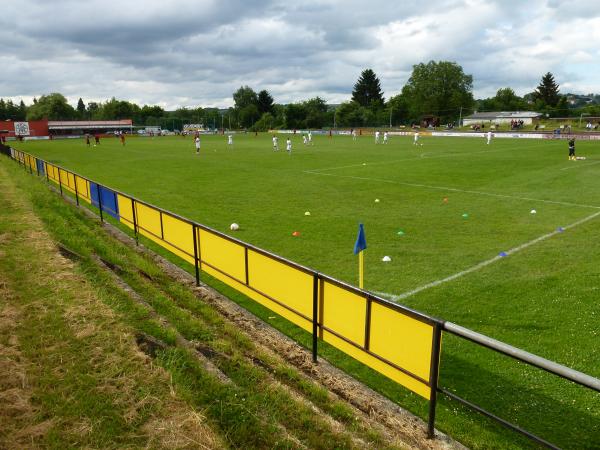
x,y
489,137
416,141
310,138
197,142
385,137
275,143
288,146
353,135
230,140
304,139
377,137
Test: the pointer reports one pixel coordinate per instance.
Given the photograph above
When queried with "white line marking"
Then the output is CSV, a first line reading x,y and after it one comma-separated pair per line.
x,y
421,156
446,188
483,264
580,165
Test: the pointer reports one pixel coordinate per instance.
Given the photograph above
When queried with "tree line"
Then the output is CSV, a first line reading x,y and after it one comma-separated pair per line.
x,y
437,91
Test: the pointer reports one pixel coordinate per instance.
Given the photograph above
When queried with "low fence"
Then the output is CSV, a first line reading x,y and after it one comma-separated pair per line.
x,y
396,341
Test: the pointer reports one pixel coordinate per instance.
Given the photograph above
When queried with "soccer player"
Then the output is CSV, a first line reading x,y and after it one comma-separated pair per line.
x,y
97,138
416,141
572,149
304,139
385,137
310,138
275,143
377,137
230,140
489,137
197,142
122,137
87,140
353,134
288,146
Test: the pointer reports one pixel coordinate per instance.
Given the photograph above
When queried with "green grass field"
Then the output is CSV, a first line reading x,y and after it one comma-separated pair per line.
x,y
458,202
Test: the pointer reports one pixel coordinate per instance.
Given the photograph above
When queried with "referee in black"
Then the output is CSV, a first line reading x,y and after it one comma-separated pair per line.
x,y
572,149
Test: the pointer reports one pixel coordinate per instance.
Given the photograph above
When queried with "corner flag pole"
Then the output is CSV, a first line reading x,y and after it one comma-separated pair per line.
x,y
361,272
359,246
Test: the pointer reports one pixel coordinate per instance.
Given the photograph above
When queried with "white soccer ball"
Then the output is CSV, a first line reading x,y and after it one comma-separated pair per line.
x,y
234,227
533,211
386,259
376,200
307,213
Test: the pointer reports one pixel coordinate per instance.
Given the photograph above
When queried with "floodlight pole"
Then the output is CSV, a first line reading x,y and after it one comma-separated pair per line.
x,y
460,117
391,109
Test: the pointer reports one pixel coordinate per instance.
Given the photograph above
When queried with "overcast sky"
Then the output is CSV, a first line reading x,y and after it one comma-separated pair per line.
x,y
196,53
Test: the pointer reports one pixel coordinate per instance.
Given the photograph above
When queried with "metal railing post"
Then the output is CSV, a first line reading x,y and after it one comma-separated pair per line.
x,y
60,182
315,331
135,229
368,323
246,266
162,231
99,202
76,192
196,255
433,378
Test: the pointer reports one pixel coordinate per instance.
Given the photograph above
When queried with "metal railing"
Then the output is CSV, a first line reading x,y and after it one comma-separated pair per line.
x,y
316,323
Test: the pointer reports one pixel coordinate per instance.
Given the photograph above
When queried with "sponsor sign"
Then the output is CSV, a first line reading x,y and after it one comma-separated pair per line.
x,y
21,128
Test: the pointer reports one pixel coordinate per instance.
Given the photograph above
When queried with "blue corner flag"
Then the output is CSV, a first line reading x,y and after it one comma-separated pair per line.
x,y
361,240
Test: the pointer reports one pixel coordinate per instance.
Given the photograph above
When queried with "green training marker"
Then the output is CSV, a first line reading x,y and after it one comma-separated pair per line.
x,y
465,215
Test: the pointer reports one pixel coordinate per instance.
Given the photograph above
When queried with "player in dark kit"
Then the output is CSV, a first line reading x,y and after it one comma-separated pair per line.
x,y
572,149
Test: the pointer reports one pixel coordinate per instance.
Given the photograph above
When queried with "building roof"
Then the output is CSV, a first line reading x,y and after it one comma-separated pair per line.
x,y
88,124
504,115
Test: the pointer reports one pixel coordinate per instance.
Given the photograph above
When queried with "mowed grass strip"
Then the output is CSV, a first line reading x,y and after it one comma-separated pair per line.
x,y
542,299
259,410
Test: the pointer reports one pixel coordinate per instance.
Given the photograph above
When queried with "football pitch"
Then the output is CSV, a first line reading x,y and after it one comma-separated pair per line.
x,y
499,238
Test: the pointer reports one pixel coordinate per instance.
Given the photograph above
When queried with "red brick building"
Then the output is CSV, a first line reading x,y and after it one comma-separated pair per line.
x,y
49,129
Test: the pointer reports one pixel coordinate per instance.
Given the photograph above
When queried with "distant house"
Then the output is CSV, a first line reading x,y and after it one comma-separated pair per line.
x,y
495,117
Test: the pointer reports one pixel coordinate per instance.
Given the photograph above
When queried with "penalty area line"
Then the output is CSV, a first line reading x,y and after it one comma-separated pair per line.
x,y
450,189
481,265
420,157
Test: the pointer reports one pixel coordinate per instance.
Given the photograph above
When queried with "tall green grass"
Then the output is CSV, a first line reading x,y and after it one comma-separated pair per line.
x,y
542,299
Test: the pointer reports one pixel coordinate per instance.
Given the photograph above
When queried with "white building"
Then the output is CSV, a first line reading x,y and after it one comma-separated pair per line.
x,y
497,118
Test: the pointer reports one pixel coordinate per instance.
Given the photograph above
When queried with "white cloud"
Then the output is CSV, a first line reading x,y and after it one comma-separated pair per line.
x,y
189,53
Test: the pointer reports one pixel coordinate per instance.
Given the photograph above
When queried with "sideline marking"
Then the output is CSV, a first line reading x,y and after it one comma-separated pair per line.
x,y
421,156
483,264
446,188
580,165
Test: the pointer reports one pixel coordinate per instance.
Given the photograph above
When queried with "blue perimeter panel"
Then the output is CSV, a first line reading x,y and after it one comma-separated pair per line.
x,y
109,199
40,166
